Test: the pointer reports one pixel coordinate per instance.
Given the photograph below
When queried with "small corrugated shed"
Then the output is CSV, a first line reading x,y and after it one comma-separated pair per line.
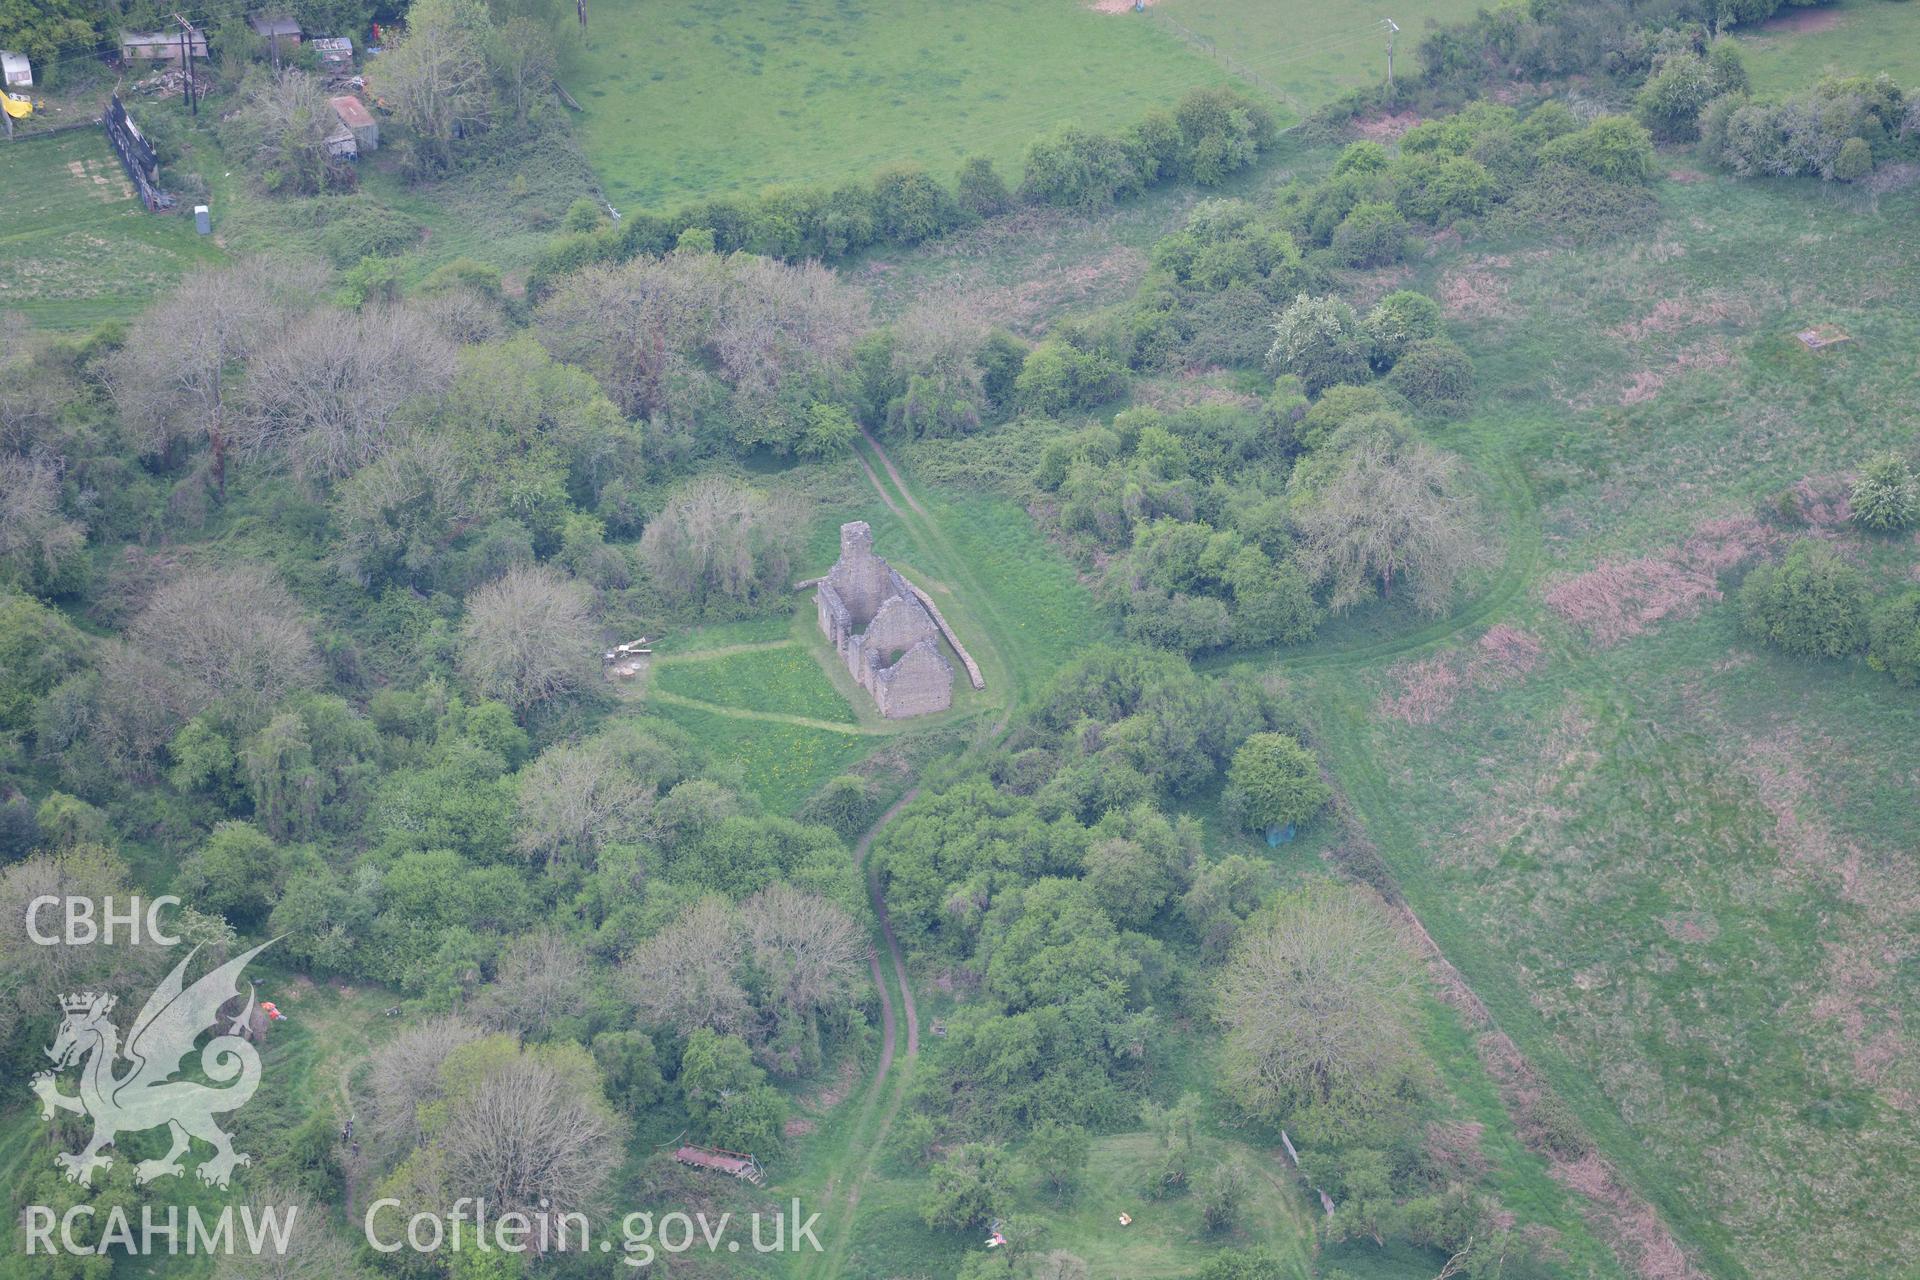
x,y
736,1164
334,51
340,143
354,115
160,46
283,29
16,70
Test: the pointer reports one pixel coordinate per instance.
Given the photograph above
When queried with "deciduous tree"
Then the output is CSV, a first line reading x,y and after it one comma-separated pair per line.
x,y
1316,999
326,400
436,78
683,976
969,1187
1275,782
717,536
529,637
1391,510
171,379
542,983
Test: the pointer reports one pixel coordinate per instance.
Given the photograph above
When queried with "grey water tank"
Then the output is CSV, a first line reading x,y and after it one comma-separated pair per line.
x,y
202,222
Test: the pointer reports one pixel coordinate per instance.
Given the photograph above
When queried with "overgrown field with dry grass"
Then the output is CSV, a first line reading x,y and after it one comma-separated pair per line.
x,y
1678,868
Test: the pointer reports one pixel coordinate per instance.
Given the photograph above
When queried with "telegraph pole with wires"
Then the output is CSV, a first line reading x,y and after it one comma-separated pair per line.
x,y
1393,29
187,36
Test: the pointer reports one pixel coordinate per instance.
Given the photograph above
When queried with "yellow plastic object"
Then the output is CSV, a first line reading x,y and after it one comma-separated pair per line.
x,y
17,106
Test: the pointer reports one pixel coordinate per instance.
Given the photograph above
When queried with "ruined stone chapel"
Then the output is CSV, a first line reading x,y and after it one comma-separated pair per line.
x,y
882,630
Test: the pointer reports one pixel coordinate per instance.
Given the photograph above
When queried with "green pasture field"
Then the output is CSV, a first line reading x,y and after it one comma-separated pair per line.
x,y
1851,37
1672,865
1310,53
76,246
725,98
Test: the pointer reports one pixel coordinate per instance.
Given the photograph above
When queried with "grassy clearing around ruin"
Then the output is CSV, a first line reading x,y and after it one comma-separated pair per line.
x,y
786,680
1013,600
1850,37
783,764
76,247
1675,867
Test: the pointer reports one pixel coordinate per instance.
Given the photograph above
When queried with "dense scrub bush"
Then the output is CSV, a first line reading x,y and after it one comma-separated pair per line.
x,y
1373,234
1435,376
1854,162
1057,376
1484,162
1886,497
1321,342
1612,148
1893,637
1839,130
910,206
1222,131
1076,168
980,191
1399,320
1812,604
365,228
1682,84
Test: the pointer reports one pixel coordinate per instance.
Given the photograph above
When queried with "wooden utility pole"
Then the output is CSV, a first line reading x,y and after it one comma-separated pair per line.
x,y
187,37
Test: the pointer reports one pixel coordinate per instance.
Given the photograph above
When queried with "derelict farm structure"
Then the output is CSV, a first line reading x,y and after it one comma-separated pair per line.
x,y
882,631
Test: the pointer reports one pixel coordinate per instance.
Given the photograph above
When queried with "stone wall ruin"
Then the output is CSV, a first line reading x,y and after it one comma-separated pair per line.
x,y
881,631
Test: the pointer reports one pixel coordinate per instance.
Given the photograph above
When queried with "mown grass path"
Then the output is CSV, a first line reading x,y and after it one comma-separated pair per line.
x,y
724,651
887,1092
771,717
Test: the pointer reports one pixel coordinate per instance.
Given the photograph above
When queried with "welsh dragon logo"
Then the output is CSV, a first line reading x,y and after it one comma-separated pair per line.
x,y
143,1096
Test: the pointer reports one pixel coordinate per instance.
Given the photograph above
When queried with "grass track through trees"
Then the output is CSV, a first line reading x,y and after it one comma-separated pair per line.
x,y
882,1104
1005,655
